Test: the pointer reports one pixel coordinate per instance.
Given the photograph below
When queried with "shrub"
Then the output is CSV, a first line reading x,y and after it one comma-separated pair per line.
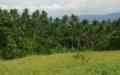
x,y
7,44
82,56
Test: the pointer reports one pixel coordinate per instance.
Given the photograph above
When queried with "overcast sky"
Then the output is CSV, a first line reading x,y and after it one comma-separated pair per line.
x,y
61,7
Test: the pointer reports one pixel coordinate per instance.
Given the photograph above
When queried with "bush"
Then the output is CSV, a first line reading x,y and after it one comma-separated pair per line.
x,y
82,56
25,46
114,40
10,51
7,44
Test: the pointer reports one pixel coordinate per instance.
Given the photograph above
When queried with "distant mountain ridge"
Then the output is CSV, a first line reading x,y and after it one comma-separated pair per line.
x,y
111,16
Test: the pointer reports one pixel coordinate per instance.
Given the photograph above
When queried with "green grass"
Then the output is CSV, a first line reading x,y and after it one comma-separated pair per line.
x,y
100,63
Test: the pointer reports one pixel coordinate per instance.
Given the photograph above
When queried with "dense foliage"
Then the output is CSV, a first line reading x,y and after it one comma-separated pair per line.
x,y
36,33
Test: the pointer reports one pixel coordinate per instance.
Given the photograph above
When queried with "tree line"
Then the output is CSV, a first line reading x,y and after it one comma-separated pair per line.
x,y
24,34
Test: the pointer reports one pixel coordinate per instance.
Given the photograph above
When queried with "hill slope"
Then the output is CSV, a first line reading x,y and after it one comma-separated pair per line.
x,y
111,16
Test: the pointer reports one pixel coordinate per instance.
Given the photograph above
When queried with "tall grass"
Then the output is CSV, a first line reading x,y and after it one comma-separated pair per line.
x,y
100,63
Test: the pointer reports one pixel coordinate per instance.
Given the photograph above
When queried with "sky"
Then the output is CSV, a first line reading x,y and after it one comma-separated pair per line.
x,y
62,7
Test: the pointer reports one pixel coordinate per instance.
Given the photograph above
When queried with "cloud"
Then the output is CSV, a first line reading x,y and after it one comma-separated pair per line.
x,y
61,7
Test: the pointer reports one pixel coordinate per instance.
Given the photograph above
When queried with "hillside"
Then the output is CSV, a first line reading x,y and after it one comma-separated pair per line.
x,y
111,16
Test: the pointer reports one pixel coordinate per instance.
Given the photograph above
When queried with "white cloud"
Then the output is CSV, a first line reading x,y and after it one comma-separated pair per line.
x,y
61,7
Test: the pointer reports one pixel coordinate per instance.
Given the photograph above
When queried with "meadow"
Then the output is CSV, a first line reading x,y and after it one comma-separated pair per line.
x,y
98,63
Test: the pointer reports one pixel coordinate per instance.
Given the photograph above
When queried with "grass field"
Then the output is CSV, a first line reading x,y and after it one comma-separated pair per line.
x,y
99,63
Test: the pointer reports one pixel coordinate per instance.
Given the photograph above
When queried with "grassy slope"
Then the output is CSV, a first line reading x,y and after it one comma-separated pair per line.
x,y
100,63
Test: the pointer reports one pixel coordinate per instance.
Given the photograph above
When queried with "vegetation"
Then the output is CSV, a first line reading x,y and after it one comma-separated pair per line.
x,y
100,63
36,33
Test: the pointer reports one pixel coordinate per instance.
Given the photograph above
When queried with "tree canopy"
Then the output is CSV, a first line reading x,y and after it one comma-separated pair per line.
x,y
37,33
